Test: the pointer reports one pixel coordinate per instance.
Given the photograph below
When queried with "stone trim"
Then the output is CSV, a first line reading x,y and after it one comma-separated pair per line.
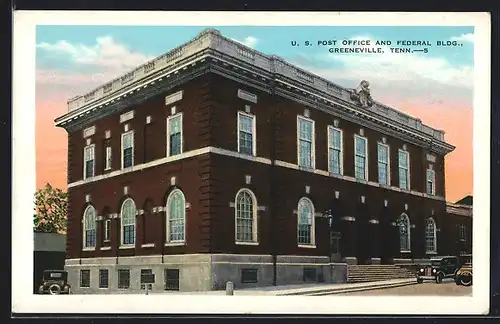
x,y
348,218
219,151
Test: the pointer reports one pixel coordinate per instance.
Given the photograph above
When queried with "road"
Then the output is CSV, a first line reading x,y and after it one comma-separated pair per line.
x,y
425,289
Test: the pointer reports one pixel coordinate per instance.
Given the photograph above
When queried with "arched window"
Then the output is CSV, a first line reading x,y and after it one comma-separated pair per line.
x,y
128,213
430,235
89,227
246,216
305,222
176,217
404,232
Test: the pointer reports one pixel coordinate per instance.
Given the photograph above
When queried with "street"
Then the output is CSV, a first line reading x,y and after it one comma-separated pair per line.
x,y
447,288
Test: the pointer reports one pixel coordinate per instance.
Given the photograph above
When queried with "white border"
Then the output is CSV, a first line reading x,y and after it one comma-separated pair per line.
x,y
23,161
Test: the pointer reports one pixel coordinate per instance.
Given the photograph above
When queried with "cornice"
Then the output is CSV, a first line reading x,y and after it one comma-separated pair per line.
x,y
268,66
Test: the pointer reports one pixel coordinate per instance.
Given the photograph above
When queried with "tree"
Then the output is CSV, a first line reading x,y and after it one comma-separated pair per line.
x,y
51,209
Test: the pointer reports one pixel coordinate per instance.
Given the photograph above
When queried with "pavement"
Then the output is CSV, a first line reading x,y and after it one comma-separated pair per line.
x,y
307,290
448,288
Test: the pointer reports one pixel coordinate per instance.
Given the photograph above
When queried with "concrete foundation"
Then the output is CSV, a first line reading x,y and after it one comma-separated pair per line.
x,y
203,272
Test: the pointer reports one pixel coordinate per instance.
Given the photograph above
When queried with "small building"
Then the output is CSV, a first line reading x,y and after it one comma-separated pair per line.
x,y
49,253
215,163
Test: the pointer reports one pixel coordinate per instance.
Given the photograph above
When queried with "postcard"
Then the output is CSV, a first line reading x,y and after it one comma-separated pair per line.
x,y
242,162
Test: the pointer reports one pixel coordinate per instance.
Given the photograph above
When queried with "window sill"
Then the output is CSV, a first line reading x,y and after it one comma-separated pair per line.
x,y
104,248
246,243
405,251
103,288
175,243
89,249
431,252
107,241
124,247
148,245
307,246
107,169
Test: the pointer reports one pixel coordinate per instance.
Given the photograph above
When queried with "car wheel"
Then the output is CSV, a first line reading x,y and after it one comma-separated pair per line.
x,y
420,280
54,289
457,280
466,280
439,278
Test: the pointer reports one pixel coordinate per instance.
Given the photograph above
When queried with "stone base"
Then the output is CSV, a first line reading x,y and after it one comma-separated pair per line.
x,y
375,260
351,260
203,272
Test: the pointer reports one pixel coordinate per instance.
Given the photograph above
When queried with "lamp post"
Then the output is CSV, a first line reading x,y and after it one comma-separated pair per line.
x,y
328,215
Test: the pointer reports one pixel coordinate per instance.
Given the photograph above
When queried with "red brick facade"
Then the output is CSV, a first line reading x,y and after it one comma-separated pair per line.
x,y
210,172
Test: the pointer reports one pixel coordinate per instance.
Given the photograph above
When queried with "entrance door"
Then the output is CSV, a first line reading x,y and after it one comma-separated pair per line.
x,y
335,246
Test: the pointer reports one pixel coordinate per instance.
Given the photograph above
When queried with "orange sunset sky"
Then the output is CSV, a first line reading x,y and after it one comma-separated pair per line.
x,y
439,100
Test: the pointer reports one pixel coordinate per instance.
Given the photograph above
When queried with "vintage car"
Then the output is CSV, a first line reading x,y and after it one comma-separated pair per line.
x,y
464,275
439,268
55,282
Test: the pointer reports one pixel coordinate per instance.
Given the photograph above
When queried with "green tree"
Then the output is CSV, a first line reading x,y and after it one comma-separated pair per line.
x,y
51,209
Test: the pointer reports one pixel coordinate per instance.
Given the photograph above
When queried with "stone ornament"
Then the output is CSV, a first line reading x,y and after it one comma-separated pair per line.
x,y
362,94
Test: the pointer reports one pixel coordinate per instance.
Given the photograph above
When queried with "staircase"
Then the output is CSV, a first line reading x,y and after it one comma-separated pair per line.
x,y
376,272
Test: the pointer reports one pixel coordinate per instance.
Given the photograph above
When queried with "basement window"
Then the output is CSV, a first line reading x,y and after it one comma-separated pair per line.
x,y
249,275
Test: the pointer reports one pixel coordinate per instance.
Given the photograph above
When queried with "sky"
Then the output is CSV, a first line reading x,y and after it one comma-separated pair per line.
x,y
436,86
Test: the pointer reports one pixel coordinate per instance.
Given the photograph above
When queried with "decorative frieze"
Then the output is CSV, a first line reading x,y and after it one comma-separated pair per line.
x,y
148,119
87,198
126,116
174,97
245,95
107,134
431,158
308,189
89,131
247,109
248,179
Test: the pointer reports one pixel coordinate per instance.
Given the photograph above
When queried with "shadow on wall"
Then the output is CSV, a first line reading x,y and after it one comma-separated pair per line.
x,y
49,252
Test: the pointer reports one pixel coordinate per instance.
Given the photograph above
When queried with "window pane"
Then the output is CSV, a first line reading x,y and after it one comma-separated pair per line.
x,y
127,158
360,146
305,222
305,154
175,144
103,278
123,279
244,217
176,217
128,140
246,143
175,125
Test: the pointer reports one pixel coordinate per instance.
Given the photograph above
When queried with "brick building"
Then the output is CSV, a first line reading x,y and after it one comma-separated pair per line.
x,y
215,162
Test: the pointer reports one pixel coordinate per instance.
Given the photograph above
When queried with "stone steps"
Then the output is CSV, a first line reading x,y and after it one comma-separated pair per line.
x,y
376,272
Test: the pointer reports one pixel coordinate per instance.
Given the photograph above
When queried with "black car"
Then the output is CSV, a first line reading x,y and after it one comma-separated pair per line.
x,y
440,268
55,282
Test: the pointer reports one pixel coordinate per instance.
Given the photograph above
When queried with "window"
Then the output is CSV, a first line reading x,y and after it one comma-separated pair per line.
x,y
89,163
103,278
174,135
305,142
430,236
89,227
360,158
246,133
123,279
404,232
309,275
431,180
404,170
108,156
249,275
145,272
335,151
128,212
383,164
84,278
462,232
305,218
172,279
107,230
176,216
246,216
127,149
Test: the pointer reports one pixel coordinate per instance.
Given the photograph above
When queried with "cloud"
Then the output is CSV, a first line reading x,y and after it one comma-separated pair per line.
x,y
249,41
105,53
464,38
397,76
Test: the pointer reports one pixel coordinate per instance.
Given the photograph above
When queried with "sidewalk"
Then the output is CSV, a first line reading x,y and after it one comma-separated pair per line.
x,y
305,290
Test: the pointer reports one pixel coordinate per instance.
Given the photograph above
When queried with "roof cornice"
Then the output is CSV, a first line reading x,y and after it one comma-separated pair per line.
x,y
211,44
